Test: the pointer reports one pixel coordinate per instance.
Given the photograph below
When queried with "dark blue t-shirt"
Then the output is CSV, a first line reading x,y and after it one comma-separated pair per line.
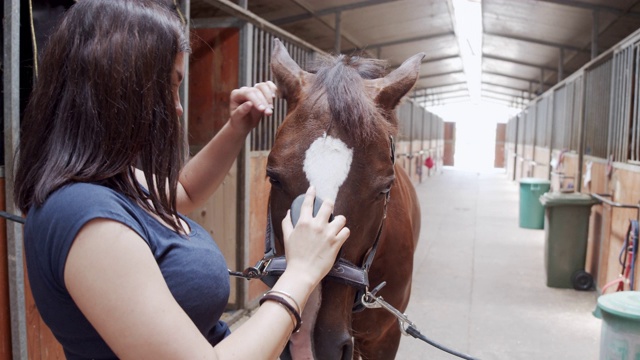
x,y
192,266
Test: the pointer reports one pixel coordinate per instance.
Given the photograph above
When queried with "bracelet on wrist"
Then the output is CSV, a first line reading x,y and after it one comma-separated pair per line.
x,y
295,315
288,296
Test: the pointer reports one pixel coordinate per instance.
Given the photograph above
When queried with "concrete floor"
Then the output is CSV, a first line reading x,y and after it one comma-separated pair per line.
x,y
479,281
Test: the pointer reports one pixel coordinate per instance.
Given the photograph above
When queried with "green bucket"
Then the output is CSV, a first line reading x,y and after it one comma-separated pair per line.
x,y
620,336
531,211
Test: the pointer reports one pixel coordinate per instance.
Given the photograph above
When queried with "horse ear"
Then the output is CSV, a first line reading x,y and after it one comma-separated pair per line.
x,y
397,84
287,75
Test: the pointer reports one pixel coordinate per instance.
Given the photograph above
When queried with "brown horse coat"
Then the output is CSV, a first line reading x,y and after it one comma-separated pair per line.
x,y
338,137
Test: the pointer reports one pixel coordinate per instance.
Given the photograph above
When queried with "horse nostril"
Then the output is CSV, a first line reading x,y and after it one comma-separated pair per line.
x,y
347,350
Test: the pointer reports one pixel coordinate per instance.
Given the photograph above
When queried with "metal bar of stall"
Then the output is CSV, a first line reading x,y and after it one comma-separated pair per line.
x,y
244,14
604,199
11,111
245,69
613,109
635,146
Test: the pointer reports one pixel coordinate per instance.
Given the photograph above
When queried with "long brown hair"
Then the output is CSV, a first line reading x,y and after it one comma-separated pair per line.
x,y
103,104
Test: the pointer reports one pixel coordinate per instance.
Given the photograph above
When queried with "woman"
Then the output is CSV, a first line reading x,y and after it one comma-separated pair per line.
x,y
115,270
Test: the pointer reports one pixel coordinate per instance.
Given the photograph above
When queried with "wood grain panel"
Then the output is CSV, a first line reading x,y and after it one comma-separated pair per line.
x,y
41,344
258,209
449,150
501,134
541,158
213,74
596,222
5,314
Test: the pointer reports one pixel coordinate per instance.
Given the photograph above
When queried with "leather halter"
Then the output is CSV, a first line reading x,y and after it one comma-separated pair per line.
x,y
270,267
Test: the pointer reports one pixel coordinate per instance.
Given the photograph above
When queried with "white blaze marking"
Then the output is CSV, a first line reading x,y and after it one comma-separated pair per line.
x,y
326,164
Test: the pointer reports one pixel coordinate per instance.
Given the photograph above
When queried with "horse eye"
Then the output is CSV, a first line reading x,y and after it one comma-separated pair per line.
x,y
385,191
273,179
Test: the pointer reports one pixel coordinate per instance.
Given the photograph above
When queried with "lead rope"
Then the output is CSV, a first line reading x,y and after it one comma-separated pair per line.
x,y
407,327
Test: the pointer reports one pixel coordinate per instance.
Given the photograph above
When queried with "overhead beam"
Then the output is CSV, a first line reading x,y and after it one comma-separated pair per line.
x,y
514,61
218,22
413,39
448,97
510,103
537,41
588,6
442,92
513,77
439,58
328,11
501,93
503,86
430,60
602,30
336,27
452,100
424,90
246,15
441,74
404,41
486,96
500,97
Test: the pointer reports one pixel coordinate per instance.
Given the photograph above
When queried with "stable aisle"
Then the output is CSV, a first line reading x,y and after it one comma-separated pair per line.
x,y
479,283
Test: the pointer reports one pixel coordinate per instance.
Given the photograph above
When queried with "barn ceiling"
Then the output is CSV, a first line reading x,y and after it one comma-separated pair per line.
x,y
526,45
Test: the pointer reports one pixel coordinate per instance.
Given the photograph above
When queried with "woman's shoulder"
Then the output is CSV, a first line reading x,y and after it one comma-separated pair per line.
x,y
76,196
81,202
74,190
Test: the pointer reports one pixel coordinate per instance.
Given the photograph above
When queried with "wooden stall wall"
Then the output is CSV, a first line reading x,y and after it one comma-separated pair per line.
x,y
42,345
402,155
449,150
527,166
509,157
417,161
213,74
624,188
519,164
5,314
541,160
599,214
259,200
570,169
501,134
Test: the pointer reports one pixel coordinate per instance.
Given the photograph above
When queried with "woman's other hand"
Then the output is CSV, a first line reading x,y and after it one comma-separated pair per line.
x,y
249,104
312,246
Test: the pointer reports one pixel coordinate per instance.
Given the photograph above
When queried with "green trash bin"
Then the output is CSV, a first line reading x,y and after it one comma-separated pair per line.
x,y
620,334
566,234
531,211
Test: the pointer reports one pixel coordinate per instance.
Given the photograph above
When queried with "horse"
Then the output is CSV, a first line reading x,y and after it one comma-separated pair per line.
x,y
338,136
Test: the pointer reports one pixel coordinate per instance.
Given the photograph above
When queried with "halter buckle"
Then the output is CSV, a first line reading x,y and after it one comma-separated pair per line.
x,y
253,272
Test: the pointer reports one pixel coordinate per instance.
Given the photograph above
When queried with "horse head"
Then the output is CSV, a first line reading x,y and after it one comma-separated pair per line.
x,y
338,137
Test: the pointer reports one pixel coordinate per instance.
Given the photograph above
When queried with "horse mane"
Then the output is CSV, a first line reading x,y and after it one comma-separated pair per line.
x,y
341,80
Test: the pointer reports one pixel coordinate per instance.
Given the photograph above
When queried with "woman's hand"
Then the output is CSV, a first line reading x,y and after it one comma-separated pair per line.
x,y
312,246
249,104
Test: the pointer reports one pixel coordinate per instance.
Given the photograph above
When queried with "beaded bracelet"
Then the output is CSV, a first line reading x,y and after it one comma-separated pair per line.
x,y
284,303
